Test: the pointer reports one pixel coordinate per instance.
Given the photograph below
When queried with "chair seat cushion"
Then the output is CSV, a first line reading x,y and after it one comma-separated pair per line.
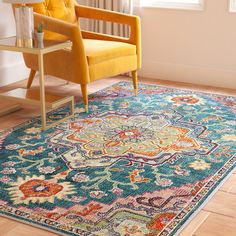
x,y
98,51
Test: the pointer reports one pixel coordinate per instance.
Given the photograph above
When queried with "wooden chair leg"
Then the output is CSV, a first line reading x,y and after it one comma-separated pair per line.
x,y
31,78
85,96
135,82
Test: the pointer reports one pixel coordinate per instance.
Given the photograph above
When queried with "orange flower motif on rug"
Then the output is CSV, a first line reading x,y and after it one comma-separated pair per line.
x,y
185,99
37,189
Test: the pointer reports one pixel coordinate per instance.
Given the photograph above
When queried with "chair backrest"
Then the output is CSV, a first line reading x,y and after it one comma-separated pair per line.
x,y
61,9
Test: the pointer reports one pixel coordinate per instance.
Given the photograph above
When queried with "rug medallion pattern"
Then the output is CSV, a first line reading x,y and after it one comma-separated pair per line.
x,y
131,166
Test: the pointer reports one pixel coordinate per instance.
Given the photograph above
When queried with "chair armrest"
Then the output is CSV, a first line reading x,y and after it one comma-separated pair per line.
x,y
110,16
94,35
73,33
102,14
56,25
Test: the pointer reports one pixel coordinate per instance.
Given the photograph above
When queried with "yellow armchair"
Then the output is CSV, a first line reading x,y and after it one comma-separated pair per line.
x,y
93,55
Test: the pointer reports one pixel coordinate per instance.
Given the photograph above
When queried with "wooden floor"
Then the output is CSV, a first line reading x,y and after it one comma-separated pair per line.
x,y
217,218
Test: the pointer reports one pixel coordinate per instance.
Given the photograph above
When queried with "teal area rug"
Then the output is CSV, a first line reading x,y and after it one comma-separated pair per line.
x,y
132,166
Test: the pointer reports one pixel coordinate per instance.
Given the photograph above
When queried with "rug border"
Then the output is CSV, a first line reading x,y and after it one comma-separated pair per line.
x,y
211,195
188,89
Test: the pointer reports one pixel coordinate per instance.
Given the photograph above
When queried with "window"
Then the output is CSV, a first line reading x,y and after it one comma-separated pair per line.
x,y
182,4
232,7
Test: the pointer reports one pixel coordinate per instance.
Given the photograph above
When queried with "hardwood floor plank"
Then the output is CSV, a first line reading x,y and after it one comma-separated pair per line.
x,y
217,225
195,223
233,189
6,225
222,203
10,227
230,185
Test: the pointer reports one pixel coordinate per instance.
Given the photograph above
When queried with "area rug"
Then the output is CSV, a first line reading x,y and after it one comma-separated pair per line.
x,y
132,166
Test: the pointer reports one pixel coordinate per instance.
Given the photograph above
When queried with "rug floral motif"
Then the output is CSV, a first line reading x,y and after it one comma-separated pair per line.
x,y
131,166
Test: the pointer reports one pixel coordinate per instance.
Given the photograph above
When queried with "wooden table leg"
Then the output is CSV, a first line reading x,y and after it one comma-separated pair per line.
x,y
42,92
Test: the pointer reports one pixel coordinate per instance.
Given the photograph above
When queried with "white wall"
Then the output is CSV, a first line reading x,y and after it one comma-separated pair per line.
x,y
11,64
190,46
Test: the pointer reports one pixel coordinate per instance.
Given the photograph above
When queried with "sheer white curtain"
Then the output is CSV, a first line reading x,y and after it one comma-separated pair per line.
x,y
233,5
124,6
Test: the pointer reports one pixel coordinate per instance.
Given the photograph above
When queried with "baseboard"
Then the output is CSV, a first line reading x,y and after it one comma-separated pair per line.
x,y
189,74
12,73
150,69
